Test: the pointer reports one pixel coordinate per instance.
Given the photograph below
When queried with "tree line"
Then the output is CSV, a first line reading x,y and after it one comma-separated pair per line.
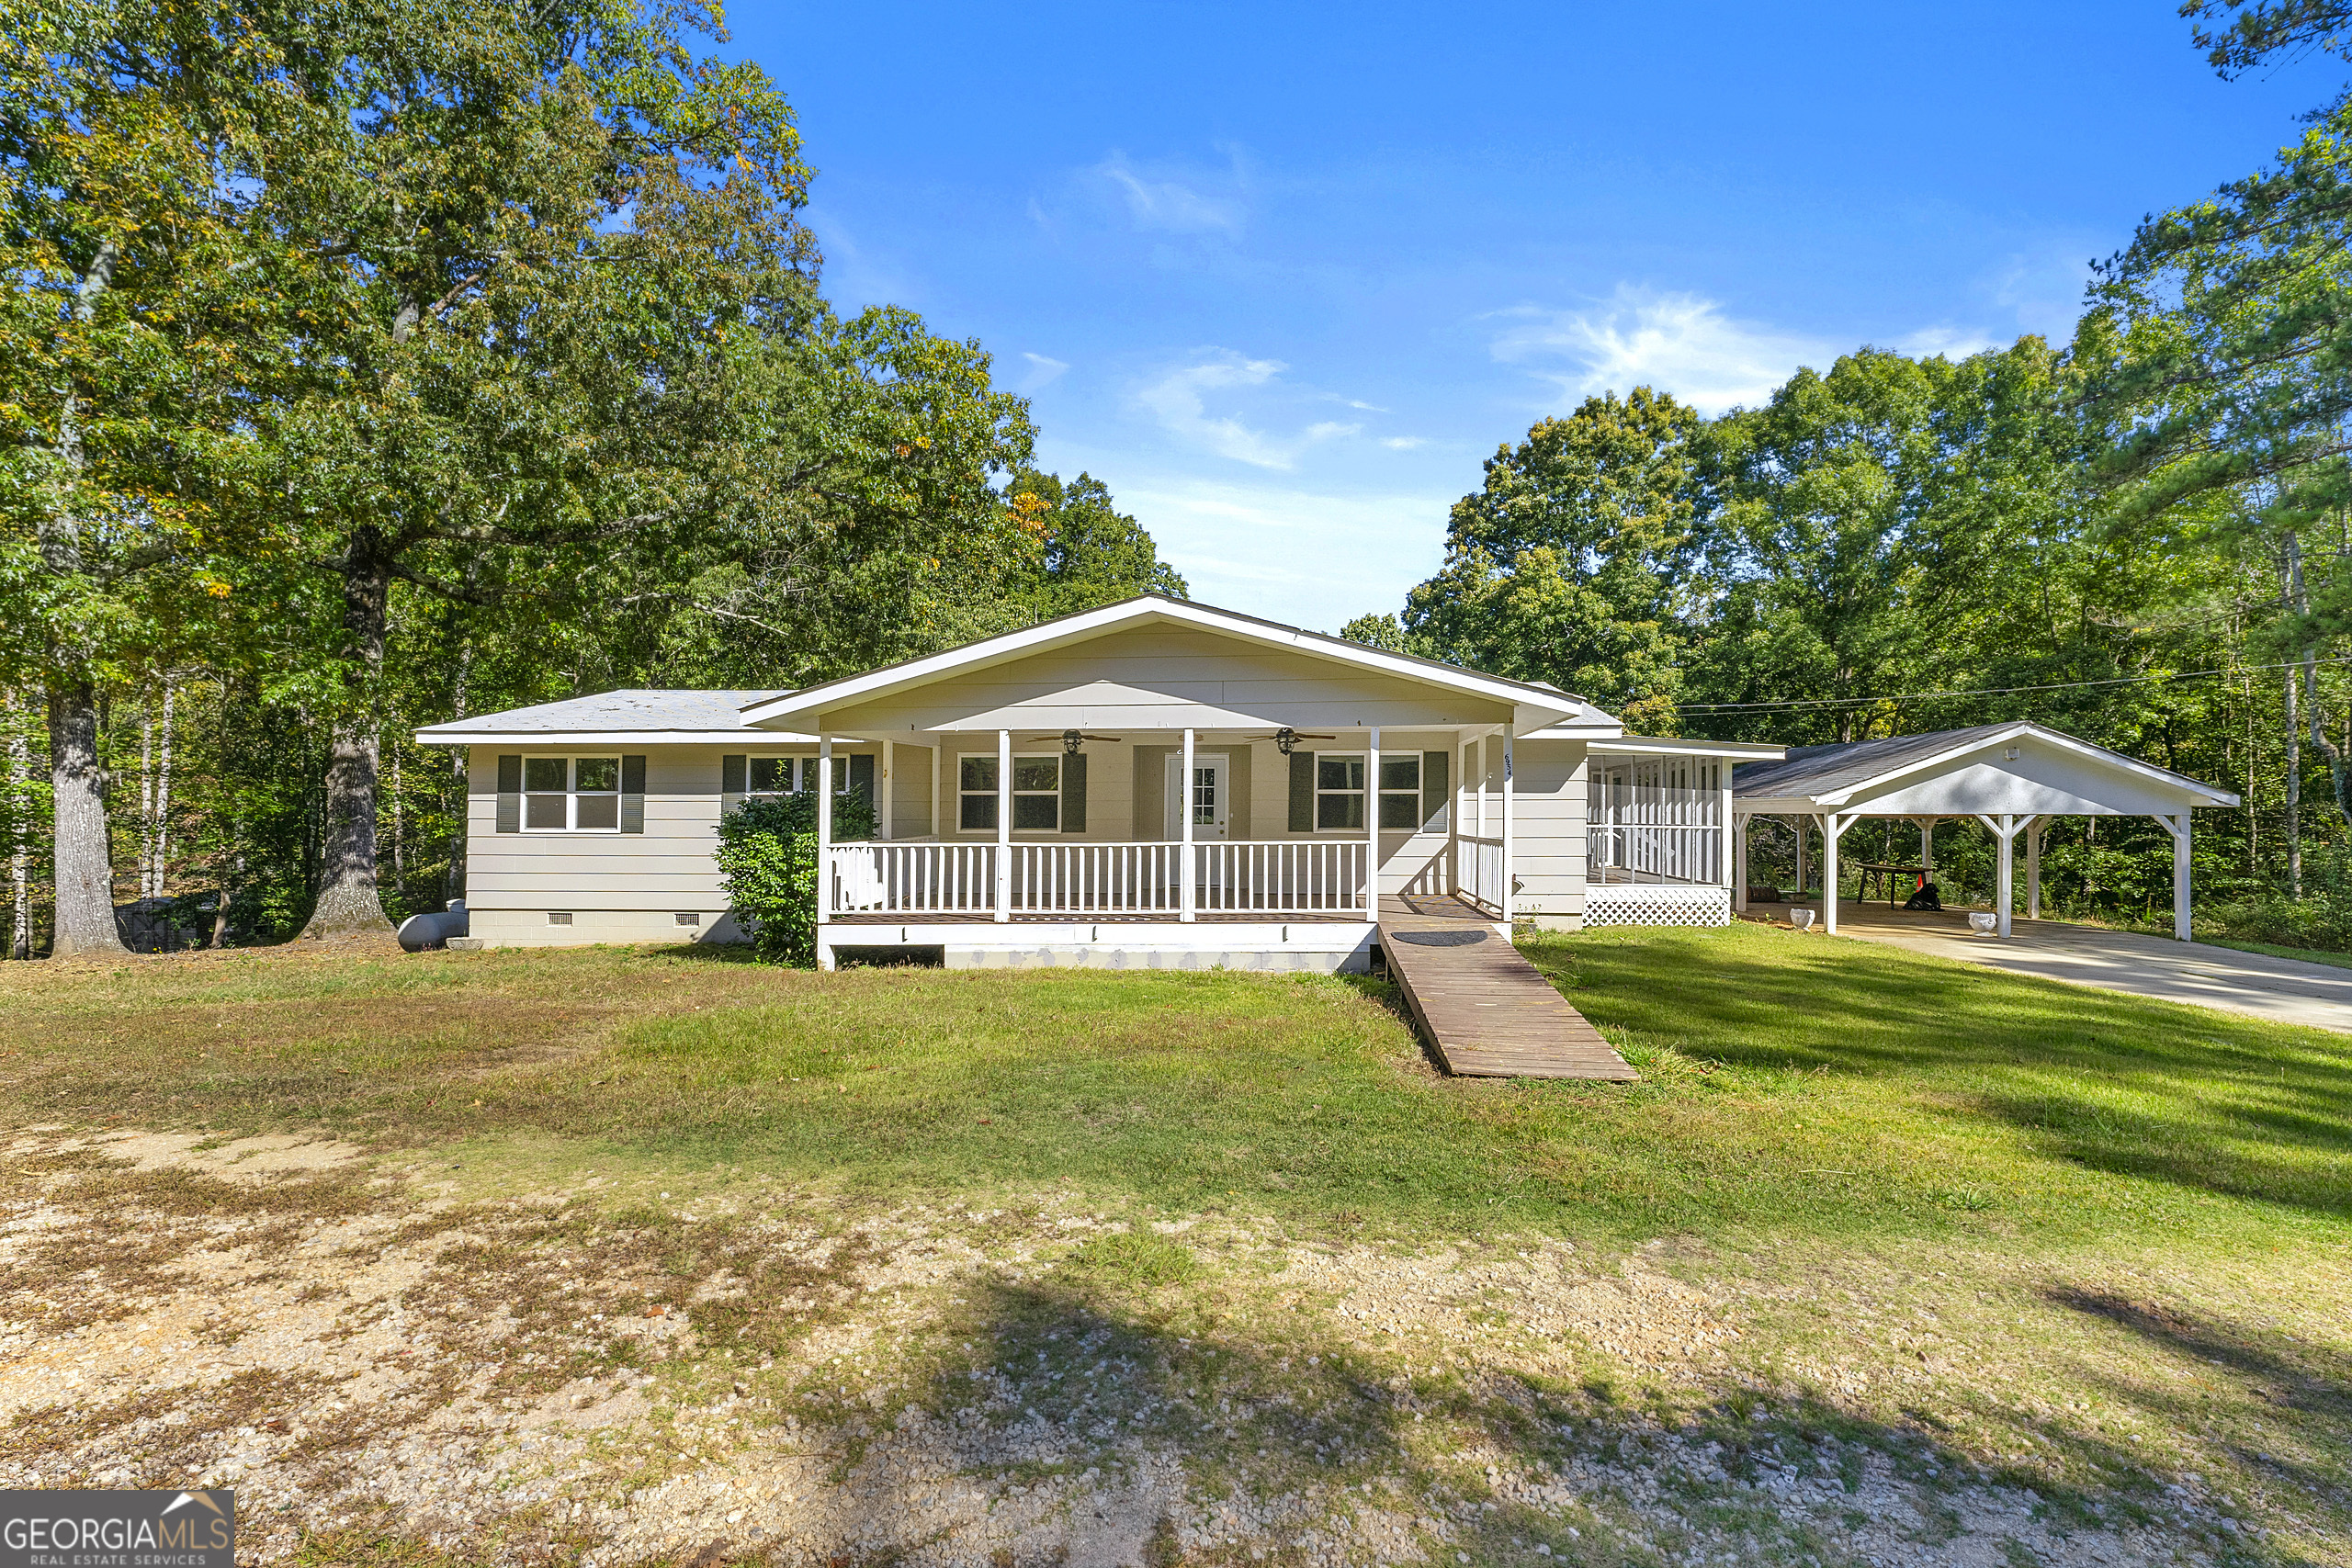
x,y
367,365
2142,537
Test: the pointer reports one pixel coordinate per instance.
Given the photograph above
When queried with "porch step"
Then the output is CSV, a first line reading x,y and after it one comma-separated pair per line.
x,y
1488,1010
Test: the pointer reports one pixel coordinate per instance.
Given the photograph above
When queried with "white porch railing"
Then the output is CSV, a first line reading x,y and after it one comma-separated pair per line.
x,y
1280,876
912,879
1114,881
1479,870
1646,853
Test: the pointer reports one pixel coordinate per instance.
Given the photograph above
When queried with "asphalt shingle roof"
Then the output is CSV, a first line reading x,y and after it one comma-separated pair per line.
x,y
1827,770
652,710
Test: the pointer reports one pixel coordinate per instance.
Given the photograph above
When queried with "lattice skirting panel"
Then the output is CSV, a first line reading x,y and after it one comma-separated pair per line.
x,y
1637,904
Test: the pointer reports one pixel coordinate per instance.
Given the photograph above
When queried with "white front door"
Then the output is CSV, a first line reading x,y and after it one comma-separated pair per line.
x,y
1210,805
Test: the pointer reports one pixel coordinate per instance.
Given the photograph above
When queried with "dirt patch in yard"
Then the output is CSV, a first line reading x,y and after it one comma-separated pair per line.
x,y
634,1368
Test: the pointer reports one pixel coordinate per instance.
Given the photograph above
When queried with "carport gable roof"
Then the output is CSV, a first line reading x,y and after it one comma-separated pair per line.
x,y
1827,777
1537,705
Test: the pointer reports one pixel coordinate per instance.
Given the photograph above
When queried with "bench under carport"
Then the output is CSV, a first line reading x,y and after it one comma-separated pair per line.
x,y
2014,778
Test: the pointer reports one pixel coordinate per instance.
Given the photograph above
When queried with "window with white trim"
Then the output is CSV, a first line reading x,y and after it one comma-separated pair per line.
x,y
572,795
1400,790
777,775
1036,793
1338,792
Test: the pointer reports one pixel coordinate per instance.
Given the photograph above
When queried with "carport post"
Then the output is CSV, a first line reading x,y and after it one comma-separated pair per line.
x,y
2177,827
2006,828
1831,827
2033,867
1740,862
1803,826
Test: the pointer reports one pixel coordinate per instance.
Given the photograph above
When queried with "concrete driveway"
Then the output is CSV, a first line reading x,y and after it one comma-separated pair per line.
x,y
2282,989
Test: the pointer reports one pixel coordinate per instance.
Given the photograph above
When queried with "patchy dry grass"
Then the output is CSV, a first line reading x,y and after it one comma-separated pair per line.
x,y
659,1257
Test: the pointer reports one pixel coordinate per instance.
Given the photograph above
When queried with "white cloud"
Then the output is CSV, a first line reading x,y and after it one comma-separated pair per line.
x,y
1678,342
1170,204
1043,371
1403,443
1179,400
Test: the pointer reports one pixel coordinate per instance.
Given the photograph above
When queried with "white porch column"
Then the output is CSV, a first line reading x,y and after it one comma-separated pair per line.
x,y
1482,787
1804,825
1453,824
938,745
1511,835
1185,819
1372,827
2178,826
824,843
1731,835
1003,827
2033,867
1832,828
1740,863
882,787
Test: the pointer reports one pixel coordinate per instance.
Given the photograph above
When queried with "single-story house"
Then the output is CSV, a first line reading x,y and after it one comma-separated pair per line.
x,y
1154,782
1161,783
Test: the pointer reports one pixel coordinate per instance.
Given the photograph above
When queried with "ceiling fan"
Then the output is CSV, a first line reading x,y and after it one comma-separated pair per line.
x,y
1286,738
1072,740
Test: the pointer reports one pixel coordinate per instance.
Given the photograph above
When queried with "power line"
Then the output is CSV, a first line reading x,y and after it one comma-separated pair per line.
x,y
1999,691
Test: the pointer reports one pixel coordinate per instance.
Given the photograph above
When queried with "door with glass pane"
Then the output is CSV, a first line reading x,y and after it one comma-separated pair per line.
x,y
1210,806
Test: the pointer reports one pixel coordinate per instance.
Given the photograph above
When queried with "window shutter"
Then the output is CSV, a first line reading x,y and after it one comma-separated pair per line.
x,y
861,779
733,770
632,795
1301,792
1074,793
510,794
1434,787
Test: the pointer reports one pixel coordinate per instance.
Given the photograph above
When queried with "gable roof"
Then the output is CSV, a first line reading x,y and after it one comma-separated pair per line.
x,y
673,714
1830,775
1551,706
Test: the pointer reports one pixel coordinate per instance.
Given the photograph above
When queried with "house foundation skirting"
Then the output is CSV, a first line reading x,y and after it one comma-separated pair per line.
x,y
1320,946
1656,904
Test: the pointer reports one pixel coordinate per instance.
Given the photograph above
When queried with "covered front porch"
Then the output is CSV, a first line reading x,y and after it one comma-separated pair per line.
x,y
1220,827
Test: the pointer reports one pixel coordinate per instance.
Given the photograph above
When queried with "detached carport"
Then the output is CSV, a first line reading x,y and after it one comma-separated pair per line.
x,y
2011,778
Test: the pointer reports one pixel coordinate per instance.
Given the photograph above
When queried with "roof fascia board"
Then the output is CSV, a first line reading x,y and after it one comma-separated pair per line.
x,y
1639,744
1136,612
2096,755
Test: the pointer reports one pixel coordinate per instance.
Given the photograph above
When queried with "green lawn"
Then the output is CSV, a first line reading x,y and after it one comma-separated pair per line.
x,y
1787,1086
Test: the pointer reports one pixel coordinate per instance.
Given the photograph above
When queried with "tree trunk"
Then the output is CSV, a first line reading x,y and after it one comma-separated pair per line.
x,y
21,882
86,921
348,903
2290,593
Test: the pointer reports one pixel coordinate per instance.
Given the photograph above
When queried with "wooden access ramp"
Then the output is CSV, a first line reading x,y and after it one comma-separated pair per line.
x,y
1488,1011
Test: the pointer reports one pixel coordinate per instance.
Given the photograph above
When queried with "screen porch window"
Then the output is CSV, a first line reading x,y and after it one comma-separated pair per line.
x,y
572,795
1400,791
1338,792
1036,793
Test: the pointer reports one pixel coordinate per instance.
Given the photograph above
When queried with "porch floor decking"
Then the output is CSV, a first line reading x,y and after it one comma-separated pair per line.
x,y
1488,1011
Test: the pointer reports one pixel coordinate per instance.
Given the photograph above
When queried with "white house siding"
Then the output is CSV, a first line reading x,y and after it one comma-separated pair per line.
x,y
1165,678
909,789
615,886
1548,844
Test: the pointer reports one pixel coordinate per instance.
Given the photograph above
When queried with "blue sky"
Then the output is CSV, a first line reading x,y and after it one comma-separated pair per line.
x,y
1284,276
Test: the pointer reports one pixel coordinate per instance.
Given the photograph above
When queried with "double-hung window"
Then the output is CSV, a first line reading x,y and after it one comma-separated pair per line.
x,y
1036,793
1339,792
572,795
1400,791
777,775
